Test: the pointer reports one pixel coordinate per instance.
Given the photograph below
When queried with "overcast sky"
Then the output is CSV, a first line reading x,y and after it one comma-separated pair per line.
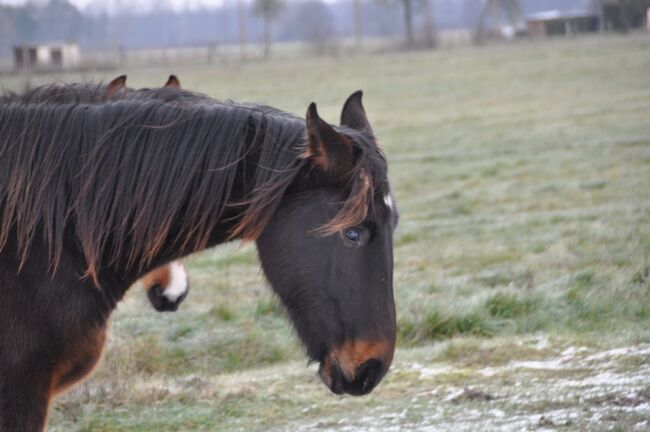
x,y
136,4
139,4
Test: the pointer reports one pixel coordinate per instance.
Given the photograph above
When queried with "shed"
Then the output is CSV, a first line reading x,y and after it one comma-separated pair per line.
x,y
49,56
555,22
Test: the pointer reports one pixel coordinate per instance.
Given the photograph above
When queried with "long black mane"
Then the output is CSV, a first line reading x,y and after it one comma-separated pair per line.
x,y
129,175
100,169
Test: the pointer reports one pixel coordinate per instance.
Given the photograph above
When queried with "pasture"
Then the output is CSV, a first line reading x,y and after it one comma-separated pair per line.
x,y
522,258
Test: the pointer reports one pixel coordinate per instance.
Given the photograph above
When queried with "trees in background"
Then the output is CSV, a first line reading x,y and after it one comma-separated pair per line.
x,y
429,25
241,17
60,20
7,31
407,14
412,9
622,15
312,22
55,20
121,25
358,30
268,10
407,5
125,25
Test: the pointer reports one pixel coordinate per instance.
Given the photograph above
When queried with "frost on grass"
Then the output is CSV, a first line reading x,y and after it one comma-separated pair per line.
x,y
578,388
524,211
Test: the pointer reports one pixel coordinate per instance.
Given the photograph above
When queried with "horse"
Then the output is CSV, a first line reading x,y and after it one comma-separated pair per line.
x,y
85,92
166,287
93,196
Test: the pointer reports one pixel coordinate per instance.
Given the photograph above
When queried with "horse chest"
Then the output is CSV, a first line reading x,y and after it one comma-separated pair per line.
x,y
79,358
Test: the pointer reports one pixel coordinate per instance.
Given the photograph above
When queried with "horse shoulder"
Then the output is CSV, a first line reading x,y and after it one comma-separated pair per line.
x,y
79,358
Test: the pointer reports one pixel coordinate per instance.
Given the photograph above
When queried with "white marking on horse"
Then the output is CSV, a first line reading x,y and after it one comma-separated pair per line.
x,y
388,200
177,282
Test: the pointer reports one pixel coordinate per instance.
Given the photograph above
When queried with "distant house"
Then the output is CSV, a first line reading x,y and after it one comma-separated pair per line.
x,y
607,15
51,56
555,22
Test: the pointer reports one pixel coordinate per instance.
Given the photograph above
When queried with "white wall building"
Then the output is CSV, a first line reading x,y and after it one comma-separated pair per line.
x,y
47,56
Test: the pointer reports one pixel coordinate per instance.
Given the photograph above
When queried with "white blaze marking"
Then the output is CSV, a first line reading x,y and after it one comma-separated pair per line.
x,y
388,200
177,282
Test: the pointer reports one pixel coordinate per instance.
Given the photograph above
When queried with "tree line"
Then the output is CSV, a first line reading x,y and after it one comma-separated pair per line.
x,y
414,23
320,23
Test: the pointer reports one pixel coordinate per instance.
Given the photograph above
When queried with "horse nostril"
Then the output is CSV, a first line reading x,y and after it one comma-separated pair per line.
x,y
366,378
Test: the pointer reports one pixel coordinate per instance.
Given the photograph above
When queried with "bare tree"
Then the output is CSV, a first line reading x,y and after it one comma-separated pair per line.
x,y
408,8
269,11
430,29
408,22
358,31
313,22
241,14
7,31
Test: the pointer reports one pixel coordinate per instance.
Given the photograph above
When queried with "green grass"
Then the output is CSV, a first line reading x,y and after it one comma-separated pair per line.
x,y
502,305
522,175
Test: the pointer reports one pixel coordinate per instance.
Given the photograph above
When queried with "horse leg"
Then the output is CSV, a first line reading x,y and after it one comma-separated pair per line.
x,y
80,356
24,399
52,333
27,387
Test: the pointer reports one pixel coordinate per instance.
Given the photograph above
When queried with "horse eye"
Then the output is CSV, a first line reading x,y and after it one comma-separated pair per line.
x,y
353,234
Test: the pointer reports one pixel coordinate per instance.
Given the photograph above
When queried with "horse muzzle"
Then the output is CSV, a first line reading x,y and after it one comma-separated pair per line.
x,y
161,302
356,367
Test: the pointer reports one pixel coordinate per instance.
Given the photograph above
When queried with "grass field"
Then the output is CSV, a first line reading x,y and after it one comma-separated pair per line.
x,y
522,259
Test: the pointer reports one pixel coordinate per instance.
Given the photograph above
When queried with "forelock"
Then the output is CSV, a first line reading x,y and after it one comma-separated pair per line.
x,y
367,180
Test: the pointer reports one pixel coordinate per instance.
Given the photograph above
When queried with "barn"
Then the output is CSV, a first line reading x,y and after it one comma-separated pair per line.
x,y
51,56
601,15
557,22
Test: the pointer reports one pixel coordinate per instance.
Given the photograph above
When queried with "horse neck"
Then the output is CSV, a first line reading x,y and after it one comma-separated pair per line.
x,y
246,180
147,198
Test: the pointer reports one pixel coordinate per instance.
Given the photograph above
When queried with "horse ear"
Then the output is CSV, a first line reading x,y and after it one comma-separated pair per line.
x,y
328,149
353,114
114,86
173,82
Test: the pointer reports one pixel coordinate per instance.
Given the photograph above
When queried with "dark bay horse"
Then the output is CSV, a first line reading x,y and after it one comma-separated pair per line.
x,y
94,195
168,285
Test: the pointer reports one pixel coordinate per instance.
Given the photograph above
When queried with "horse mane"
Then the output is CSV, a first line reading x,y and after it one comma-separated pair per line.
x,y
90,92
71,161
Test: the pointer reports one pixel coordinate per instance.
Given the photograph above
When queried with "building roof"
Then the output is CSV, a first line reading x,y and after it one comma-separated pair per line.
x,y
46,45
555,14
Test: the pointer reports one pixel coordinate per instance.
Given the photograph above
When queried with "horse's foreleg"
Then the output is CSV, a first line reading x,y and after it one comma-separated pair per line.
x,y
52,331
79,358
27,386
24,398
